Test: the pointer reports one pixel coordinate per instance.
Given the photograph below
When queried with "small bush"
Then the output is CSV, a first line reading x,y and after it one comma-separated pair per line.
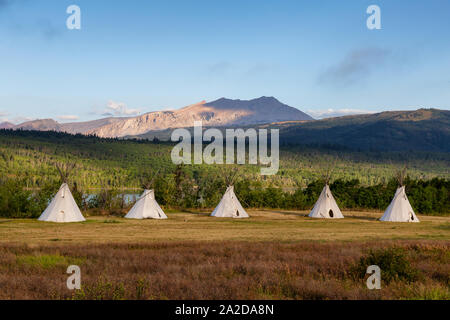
x,y
393,264
101,290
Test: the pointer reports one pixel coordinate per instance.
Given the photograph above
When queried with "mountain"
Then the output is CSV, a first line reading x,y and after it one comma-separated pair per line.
x,y
221,112
40,125
420,130
6,125
88,126
261,110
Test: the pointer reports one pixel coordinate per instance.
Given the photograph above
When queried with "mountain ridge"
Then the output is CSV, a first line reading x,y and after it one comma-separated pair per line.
x,y
420,130
219,112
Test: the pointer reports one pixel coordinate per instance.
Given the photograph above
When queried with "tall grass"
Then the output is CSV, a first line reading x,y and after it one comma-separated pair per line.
x,y
219,270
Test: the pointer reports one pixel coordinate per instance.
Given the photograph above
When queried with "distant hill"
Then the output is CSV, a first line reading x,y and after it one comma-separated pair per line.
x,y
420,130
40,125
221,112
6,125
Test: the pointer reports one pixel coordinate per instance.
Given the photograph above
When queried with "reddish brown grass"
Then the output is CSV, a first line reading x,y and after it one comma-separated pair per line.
x,y
215,270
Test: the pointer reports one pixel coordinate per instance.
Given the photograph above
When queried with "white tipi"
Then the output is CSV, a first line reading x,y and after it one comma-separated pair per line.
x,y
400,209
63,208
146,207
326,207
229,206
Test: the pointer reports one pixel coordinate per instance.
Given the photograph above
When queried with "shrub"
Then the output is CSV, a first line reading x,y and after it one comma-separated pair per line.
x,y
393,263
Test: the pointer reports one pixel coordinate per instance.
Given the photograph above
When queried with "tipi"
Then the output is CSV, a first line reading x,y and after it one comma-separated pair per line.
x,y
63,207
146,207
326,207
400,209
229,206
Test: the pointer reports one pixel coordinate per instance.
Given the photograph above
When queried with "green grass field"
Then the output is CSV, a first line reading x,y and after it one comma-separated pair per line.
x,y
262,226
286,226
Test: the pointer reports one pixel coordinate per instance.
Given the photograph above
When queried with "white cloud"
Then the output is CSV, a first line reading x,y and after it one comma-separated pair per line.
x,y
119,109
68,117
330,113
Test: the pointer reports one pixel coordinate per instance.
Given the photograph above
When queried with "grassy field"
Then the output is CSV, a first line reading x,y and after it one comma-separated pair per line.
x,y
286,226
272,255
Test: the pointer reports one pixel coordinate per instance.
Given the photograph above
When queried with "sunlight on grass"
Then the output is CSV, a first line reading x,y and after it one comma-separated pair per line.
x,y
47,261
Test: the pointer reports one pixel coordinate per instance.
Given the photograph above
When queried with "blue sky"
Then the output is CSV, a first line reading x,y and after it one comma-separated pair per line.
x,y
141,56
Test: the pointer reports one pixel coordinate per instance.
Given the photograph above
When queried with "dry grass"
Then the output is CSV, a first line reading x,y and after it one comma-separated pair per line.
x,y
217,270
277,226
273,255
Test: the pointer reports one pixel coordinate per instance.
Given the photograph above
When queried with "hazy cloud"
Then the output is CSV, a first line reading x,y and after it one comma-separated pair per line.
x,y
330,113
68,117
356,66
16,120
119,109
48,29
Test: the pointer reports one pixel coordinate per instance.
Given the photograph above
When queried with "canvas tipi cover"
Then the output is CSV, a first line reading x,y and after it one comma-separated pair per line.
x,y
229,206
146,208
326,207
400,209
63,208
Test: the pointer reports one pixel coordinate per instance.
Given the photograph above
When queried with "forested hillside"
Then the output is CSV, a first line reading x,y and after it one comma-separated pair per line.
x,y
420,130
108,168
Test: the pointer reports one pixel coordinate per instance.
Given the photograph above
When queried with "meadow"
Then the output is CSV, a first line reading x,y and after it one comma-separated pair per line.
x,y
273,255
277,226
278,253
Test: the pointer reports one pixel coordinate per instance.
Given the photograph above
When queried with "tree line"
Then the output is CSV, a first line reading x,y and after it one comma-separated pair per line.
x,y
178,190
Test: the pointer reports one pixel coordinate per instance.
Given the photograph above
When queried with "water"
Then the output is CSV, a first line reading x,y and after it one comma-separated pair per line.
x,y
128,197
